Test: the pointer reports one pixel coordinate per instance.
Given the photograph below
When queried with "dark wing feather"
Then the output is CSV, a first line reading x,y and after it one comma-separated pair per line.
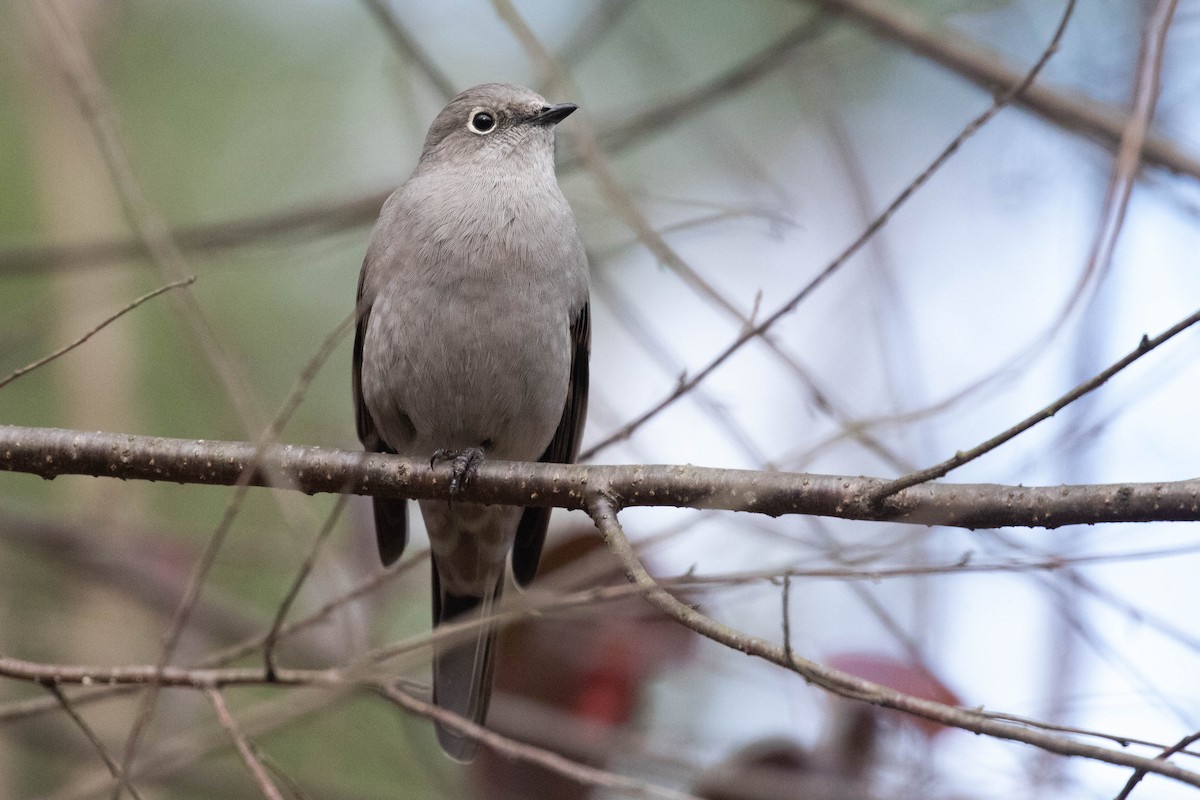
x,y
564,447
391,514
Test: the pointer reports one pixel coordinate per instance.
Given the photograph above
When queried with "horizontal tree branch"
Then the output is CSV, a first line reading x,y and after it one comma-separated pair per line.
x,y
148,674
50,452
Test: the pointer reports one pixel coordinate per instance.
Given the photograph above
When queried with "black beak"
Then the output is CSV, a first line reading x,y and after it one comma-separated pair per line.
x,y
552,115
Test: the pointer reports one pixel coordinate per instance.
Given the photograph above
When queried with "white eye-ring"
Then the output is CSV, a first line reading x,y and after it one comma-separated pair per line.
x,y
481,121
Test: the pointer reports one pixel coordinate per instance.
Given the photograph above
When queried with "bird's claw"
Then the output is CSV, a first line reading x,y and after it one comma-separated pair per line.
x,y
463,464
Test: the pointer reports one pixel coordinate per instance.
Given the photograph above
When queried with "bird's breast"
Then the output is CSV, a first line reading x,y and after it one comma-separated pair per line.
x,y
468,341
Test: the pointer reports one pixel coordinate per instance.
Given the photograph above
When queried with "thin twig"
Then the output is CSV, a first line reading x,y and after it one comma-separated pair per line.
x,y
787,616
305,378
294,590
1133,137
624,311
1138,774
1125,167
964,456
257,771
113,767
511,748
68,348
367,586
293,786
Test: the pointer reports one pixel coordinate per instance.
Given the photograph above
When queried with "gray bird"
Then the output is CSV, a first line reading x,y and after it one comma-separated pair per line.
x,y
473,337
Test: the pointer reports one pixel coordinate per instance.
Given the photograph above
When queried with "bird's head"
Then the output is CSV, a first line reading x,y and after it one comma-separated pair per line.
x,y
493,120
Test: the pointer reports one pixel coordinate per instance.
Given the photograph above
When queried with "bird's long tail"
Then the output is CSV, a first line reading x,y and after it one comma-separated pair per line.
x,y
462,670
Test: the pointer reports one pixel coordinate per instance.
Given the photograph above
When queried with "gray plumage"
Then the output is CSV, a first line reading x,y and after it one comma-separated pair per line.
x,y
474,332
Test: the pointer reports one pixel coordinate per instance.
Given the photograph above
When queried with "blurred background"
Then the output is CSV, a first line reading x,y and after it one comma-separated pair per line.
x,y
724,153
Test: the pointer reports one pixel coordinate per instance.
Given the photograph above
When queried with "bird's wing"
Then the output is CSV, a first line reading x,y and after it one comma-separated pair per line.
x,y
564,447
391,514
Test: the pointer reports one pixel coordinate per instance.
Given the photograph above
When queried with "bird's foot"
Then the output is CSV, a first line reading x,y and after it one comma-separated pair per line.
x,y
463,464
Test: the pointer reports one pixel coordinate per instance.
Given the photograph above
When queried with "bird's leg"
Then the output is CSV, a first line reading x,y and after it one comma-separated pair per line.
x,y
463,464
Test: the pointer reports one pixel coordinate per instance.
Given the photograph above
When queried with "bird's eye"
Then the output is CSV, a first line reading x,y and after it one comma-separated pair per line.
x,y
481,121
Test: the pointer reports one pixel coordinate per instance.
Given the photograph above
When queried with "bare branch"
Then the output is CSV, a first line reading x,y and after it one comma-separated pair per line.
x,y
624,312
286,604
1133,137
50,452
257,770
68,348
1138,774
150,675
69,707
